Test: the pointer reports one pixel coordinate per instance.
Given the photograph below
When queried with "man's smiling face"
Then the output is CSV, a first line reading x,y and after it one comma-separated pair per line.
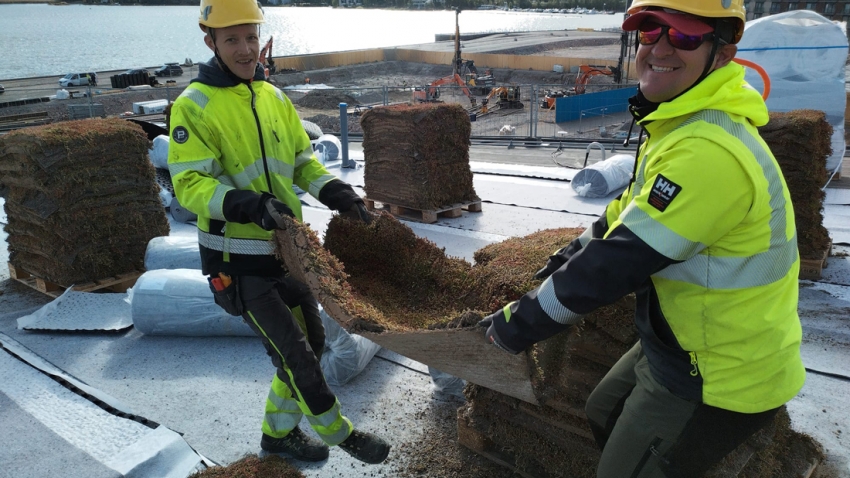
x,y
665,72
239,48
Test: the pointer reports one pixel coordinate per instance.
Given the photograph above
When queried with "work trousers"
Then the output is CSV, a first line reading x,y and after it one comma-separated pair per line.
x,y
284,314
645,431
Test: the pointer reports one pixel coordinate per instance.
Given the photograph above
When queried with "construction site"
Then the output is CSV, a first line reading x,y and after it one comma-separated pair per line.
x,y
116,361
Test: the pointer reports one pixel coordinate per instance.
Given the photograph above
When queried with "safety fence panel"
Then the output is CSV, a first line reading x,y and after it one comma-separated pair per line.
x,y
570,108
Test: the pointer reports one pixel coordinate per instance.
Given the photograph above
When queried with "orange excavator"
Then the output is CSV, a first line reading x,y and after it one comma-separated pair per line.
x,y
508,97
586,71
266,58
431,93
590,70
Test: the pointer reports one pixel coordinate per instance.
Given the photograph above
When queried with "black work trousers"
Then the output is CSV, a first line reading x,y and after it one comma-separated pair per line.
x,y
284,314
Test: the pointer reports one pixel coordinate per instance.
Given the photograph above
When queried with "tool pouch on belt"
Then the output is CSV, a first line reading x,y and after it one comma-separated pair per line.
x,y
227,298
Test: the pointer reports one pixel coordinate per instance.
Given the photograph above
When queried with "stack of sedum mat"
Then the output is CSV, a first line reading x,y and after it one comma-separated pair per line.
x,y
800,141
417,156
83,200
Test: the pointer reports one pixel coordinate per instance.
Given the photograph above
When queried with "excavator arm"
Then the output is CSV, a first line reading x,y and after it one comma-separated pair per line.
x,y
433,91
590,70
266,57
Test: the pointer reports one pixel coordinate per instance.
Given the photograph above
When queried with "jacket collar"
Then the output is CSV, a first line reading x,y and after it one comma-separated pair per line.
x,y
723,90
211,74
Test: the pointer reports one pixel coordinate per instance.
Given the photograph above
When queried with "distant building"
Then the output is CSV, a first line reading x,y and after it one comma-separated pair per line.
x,y
278,2
833,10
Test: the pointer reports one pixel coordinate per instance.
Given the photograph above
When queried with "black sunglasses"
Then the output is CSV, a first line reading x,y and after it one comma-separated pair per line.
x,y
649,33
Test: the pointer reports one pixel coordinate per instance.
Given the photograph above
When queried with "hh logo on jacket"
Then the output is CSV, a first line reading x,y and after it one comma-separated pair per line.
x,y
663,192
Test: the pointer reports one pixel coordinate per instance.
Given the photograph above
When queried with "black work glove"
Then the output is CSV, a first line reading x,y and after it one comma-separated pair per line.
x,y
273,212
490,332
357,212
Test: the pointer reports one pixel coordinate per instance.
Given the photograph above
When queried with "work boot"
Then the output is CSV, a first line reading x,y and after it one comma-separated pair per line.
x,y
366,447
297,445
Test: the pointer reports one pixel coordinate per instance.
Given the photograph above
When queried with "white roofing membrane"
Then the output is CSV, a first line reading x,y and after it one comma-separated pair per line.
x,y
211,390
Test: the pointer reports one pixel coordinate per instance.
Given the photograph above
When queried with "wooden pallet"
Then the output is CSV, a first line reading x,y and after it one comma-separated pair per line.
x,y
481,444
426,216
811,269
119,283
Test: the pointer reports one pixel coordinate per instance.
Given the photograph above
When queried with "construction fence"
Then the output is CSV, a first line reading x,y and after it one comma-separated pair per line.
x,y
527,111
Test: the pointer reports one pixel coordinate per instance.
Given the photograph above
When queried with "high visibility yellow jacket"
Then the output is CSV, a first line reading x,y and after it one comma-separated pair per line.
x,y
705,237
233,145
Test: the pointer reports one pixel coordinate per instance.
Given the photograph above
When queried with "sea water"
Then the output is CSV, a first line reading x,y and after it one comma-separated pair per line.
x,y
44,40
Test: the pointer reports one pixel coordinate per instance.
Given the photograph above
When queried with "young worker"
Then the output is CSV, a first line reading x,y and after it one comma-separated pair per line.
x,y
237,147
705,237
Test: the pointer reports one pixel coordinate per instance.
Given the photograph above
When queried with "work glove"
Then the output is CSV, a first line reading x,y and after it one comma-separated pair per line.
x,y
357,212
490,332
273,212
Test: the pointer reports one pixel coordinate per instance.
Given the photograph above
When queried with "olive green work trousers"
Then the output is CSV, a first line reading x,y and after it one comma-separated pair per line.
x,y
645,431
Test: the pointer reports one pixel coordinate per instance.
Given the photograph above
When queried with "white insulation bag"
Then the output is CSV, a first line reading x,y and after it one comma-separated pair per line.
x,y
605,177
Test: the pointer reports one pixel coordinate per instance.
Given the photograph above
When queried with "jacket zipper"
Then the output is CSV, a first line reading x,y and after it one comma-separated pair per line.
x,y
260,134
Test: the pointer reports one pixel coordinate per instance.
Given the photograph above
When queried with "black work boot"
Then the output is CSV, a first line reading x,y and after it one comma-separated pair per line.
x,y
366,447
297,445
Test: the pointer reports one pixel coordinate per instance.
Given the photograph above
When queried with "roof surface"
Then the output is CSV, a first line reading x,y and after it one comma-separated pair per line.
x,y
88,403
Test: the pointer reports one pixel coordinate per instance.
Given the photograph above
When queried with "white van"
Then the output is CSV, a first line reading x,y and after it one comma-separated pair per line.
x,y
78,79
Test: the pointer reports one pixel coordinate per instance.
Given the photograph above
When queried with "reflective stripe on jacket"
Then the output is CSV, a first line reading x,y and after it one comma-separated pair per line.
x,y
705,236
245,136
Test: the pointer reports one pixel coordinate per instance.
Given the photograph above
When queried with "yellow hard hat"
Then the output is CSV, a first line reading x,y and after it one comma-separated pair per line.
x,y
701,8
226,13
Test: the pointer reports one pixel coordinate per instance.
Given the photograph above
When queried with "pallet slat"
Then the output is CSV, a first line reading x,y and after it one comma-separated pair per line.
x,y
119,283
427,216
482,445
811,269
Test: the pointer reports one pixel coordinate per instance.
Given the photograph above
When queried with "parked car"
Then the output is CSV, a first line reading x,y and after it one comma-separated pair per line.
x,y
169,69
2,89
78,79
136,71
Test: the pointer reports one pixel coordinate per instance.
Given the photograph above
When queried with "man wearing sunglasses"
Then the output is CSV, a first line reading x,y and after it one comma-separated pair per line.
x,y
705,237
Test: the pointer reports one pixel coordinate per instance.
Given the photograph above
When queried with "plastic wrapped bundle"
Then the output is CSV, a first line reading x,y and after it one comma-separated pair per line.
x,y
158,153
172,252
446,387
345,355
327,148
179,302
605,177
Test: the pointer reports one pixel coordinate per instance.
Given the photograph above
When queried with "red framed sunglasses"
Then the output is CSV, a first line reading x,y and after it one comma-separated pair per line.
x,y
649,33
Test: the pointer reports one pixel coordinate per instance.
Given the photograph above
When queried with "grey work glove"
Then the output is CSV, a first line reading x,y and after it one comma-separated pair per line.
x,y
273,212
357,212
490,332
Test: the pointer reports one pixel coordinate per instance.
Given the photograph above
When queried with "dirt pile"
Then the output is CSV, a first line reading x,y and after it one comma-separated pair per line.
x,y
83,200
325,99
331,124
417,156
801,142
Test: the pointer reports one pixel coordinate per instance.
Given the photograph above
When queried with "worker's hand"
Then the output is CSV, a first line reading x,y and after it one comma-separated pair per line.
x,y
273,212
490,332
357,212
